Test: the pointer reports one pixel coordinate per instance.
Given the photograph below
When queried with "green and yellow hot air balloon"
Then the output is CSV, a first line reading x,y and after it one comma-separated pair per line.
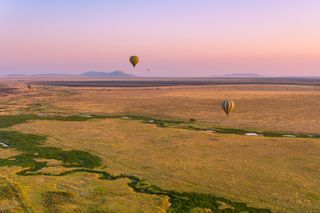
x,y
227,106
134,60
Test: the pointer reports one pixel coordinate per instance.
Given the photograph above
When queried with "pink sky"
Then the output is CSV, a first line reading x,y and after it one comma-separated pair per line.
x,y
172,38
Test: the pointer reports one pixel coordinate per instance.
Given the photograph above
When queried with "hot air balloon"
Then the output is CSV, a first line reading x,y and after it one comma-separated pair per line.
x,y
29,86
227,106
134,60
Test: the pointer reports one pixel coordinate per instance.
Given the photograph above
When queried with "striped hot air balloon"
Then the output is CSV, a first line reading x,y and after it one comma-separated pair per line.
x,y
227,106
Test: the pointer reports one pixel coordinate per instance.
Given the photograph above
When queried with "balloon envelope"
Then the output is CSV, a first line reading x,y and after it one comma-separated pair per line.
x,y
227,106
134,60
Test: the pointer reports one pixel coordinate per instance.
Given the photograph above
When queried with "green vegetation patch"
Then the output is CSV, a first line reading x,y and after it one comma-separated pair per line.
x,y
180,201
31,147
10,120
224,130
187,201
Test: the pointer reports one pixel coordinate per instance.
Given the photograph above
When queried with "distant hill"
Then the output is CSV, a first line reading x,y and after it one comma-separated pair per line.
x,y
90,74
114,74
243,75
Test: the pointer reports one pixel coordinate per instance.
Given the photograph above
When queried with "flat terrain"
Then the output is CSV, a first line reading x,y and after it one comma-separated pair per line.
x,y
144,132
276,172
147,82
289,108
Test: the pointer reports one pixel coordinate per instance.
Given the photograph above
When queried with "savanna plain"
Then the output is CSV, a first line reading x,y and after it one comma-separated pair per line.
x,y
159,148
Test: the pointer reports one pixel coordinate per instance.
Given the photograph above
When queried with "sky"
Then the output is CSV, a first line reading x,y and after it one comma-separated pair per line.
x,y
178,38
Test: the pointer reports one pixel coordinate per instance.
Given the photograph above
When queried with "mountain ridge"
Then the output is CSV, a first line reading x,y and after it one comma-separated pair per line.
x,y
107,74
89,74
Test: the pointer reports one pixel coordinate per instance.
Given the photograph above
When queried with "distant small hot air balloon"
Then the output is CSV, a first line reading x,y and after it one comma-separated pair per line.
x,y
29,86
228,106
134,60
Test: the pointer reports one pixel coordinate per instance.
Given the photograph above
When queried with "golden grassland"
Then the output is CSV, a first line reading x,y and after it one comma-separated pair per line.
x,y
268,107
282,173
83,192
80,192
278,173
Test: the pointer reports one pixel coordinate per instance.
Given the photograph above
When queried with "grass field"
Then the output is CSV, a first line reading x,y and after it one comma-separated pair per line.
x,y
258,106
135,162
273,172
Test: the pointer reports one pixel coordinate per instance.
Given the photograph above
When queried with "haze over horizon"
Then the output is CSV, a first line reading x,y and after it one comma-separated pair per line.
x,y
173,38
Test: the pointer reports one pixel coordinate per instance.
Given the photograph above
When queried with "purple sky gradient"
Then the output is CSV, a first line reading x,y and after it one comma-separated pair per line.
x,y
172,37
